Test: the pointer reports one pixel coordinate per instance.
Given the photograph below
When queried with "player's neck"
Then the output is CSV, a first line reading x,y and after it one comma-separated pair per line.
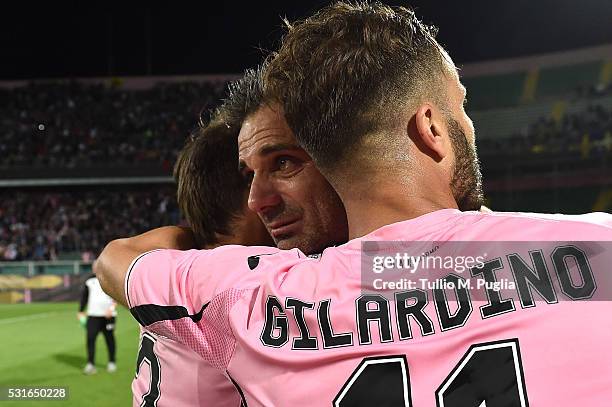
x,y
222,240
386,203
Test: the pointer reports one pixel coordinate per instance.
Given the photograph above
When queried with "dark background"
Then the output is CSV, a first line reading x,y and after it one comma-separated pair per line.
x,y
78,39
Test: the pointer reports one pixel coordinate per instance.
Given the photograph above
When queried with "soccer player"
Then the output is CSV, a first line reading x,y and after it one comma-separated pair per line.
x,y
212,195
100,317
377,103
295,202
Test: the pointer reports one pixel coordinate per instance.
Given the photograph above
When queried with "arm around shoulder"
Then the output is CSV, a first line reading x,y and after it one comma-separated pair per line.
x,y
112,265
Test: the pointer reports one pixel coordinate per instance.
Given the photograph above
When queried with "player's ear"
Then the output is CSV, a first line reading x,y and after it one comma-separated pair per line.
x,y
431,130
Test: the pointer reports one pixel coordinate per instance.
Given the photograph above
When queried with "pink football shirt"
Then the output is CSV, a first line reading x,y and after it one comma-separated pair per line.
x,y
296,331
170,374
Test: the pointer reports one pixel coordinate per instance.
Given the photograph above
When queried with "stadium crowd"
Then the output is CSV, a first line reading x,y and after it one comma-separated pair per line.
x,y
61,125
45,225
77,125
74,124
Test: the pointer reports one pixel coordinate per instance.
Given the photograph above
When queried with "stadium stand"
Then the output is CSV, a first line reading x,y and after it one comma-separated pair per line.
x,y
544,130
46,225
490,91
556,81
72,124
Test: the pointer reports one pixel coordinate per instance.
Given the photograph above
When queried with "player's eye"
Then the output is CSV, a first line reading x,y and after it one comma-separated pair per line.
x,y
286,164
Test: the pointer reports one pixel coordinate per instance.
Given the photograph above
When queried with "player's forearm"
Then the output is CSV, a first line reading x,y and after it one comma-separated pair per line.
x,y
166,237
111,268
112,265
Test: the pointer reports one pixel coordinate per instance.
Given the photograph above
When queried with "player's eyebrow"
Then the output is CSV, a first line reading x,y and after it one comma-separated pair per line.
x,y
273,148
270,149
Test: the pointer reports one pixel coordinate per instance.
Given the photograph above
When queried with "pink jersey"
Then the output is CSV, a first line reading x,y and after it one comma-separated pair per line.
x,y
161,378
296,331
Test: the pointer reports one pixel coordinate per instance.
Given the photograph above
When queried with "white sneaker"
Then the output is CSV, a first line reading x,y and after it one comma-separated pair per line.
x,y
112,368
90,369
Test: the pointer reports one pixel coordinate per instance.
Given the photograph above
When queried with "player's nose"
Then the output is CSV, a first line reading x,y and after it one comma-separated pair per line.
x,y
262,195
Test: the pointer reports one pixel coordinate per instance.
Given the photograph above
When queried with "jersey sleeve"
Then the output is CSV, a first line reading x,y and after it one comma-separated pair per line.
x,y
157,284
169,284
186,295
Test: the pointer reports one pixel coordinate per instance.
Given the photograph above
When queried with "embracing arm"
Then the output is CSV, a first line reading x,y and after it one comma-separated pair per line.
x,y
112,265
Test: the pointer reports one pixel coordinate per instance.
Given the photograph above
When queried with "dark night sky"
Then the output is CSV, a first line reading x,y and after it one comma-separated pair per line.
x,y
75,40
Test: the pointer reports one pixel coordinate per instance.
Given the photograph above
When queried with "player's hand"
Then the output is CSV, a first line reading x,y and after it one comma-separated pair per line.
x,y
108,314
82,319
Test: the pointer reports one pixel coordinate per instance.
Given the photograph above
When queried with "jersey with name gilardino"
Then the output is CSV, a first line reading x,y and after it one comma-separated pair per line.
x,y
448,309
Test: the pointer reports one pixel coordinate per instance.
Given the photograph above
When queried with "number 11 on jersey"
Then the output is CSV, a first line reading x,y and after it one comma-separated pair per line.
x,y
488,375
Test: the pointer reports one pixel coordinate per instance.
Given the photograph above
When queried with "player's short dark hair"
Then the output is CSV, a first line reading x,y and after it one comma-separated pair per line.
x,y
347,71
210,190
245,97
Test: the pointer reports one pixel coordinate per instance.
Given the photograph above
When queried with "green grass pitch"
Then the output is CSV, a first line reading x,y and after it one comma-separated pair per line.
x,y
44,345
